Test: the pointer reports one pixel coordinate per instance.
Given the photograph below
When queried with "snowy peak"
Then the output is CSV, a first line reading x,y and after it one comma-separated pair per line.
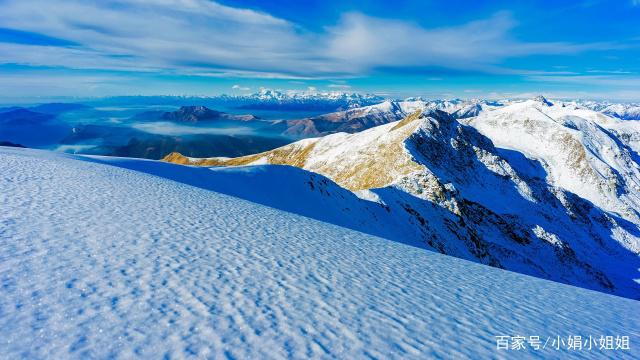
x,y
352,98
542,100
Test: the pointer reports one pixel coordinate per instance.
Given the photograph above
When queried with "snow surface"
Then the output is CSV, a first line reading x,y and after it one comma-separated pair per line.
x,y
101,261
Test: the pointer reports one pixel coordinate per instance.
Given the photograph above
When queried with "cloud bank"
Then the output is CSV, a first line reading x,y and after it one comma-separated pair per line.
x,y
203,38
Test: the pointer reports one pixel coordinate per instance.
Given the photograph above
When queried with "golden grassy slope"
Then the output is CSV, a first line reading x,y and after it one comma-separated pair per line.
x,y
374,163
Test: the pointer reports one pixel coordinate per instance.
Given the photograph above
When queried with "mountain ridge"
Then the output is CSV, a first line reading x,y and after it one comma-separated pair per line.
x,y
504,206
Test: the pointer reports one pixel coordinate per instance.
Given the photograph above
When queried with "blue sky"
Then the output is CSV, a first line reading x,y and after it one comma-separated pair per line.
x,y
468,49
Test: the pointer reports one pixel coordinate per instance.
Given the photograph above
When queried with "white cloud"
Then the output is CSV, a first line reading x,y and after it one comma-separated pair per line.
x,y
241,88
201,37
182,35
617,81
169,128
21,85
609,71
358,41
339,86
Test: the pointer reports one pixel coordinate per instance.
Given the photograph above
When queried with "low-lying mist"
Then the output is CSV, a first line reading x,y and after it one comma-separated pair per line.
x,y
114,130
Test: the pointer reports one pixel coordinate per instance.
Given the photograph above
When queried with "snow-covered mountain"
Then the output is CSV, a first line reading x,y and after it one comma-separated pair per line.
x,y
308,101
458,108
127,258
550,190
365,117
578,148
626,111
353,98
623,111
352,120
302,100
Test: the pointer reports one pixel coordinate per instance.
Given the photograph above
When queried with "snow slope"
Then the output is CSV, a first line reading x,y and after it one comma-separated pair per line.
x,y
103,261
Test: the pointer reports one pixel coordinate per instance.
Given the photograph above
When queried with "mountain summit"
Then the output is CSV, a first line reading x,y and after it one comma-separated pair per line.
x,y
192,114
202,113
541,99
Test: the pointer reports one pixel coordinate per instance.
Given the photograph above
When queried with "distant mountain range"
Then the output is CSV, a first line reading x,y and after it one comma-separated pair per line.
x,y
630,111
265,99
328,101
545,188
275,98
48,125
30,128
365,117
48,108
355,119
